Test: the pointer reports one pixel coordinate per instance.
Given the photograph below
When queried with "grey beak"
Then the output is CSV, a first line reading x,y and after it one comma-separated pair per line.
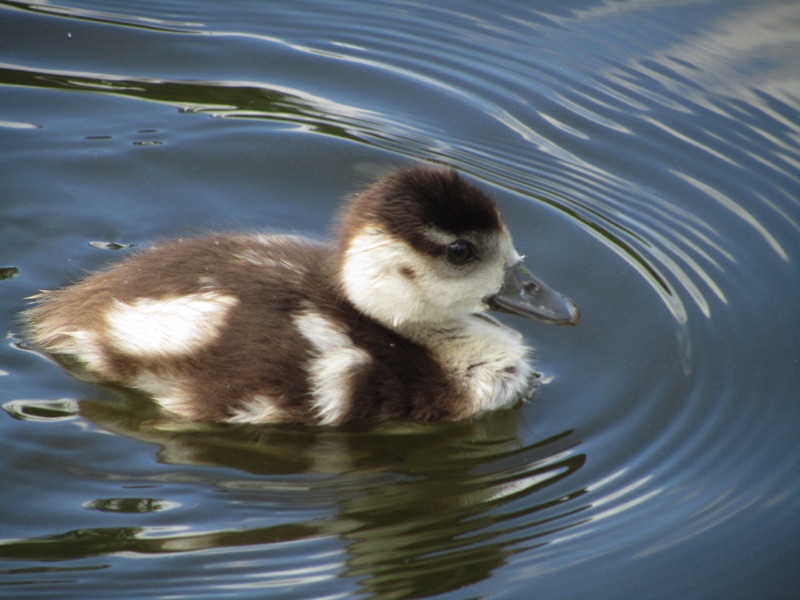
x,y
524,294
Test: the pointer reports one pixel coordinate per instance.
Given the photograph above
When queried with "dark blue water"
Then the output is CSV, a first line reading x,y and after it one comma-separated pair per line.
x,y
647,156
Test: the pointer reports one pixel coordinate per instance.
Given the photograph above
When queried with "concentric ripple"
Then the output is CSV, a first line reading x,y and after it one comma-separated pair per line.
x,y
647,158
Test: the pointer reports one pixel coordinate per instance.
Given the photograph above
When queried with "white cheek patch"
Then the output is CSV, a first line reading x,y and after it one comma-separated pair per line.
x,y
373,278
335,362
168,327
371,281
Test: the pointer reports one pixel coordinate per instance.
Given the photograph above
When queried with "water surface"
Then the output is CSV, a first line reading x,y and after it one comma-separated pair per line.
x,y
647,158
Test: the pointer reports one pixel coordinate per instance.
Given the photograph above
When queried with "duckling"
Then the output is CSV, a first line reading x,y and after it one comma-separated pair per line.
x,y
386,323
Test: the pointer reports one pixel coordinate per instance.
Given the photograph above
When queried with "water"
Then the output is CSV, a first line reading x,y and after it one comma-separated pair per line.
x,y
647,157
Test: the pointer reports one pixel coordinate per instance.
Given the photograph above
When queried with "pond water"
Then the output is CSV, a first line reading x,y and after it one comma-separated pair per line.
x,y
647,158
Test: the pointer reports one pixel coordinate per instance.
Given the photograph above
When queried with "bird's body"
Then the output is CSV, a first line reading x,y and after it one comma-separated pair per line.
x,y
249,328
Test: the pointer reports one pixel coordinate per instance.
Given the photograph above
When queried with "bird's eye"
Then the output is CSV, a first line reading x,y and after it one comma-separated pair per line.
x,y
461,252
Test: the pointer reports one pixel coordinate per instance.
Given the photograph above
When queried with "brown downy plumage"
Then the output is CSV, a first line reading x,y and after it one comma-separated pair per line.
x,y
385,324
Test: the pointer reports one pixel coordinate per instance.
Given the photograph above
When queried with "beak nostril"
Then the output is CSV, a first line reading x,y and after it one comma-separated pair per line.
x,y
524,294
531,287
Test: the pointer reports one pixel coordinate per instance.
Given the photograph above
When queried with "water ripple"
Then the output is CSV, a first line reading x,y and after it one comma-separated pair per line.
x,y
649,161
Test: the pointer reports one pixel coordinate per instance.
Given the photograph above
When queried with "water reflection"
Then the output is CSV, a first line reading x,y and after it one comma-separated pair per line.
x,y
417,509
8,272
651,145
245,99
104,17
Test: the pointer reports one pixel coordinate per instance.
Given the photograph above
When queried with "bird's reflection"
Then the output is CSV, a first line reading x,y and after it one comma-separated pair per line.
x,y
420,509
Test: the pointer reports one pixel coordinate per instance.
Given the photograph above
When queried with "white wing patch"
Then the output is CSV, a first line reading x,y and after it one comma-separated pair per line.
x,y
86,346
168,327
258,409
335,361
168,390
